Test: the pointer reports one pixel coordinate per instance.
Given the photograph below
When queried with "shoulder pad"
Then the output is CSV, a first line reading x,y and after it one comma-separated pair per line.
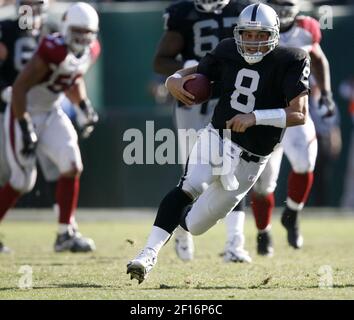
x,y
52,49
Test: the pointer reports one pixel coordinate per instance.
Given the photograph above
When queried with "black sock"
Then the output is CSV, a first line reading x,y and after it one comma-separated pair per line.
x,y
171,209
290,217
241,205
183,218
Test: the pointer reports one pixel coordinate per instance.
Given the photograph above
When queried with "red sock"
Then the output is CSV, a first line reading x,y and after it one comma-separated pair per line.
x,y
262,207
8,198
299,187
67,195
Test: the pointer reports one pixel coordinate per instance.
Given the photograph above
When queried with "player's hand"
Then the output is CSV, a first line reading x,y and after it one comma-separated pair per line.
x,y
29,137
175,87
86,118
241,122
326,105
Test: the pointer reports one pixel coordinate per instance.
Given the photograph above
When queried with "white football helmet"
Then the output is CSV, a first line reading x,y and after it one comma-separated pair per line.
x,y
257,17
215,6
287,11
80,27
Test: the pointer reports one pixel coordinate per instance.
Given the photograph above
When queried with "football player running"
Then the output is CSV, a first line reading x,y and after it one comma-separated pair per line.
x,y
299,143
191,30
36,126
264,90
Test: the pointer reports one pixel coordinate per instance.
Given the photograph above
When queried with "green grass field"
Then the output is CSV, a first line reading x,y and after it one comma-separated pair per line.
x,y
289,274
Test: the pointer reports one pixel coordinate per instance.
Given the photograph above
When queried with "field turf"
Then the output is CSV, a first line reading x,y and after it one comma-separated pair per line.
x,y
323,269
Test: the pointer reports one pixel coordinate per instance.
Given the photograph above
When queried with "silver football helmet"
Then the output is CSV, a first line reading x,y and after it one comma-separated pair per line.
x,y
215,6
287,11
257,17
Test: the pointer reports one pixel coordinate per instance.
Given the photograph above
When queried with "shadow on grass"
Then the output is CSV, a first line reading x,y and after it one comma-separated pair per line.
x,y
254,287
62,286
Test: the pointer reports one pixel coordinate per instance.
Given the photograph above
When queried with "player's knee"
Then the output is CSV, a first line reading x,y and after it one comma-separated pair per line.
x,y
305,159
200,226
23,183
70,164
196,230
303,165
74,172
264,188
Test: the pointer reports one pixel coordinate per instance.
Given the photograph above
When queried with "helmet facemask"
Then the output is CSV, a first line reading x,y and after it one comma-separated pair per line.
x,y
79,39
245,48
211,6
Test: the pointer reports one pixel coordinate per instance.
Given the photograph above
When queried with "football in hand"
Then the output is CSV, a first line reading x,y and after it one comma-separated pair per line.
x,y
199,87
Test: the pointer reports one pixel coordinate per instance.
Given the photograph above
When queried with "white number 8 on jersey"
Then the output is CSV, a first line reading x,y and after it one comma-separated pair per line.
x,y
246,91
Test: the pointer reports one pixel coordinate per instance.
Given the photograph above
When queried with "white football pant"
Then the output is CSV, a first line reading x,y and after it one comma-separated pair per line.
x,y
300,147
57,145
213,187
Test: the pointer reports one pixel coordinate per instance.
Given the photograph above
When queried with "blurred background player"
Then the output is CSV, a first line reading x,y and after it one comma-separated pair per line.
x,y
36,126
299,143
18,42
346,90
193,29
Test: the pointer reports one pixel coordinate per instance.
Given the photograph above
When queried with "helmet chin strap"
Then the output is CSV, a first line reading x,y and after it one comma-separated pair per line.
x,y
253,58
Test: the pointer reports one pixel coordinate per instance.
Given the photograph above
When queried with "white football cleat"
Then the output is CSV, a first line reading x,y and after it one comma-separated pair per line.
x,y
184,244
140,267
234,251
73,241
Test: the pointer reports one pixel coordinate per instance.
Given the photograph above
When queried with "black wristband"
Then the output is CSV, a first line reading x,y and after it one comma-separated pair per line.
x,y
25,125
85,104
325,93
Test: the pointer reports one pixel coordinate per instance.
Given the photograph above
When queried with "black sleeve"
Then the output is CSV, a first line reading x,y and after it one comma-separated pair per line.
x,y
1,40
296,78
173,21
211,65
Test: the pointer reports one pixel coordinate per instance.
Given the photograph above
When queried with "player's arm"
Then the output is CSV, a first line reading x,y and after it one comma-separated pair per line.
x,y
296,112
3,53
170,45
209,65
175,85
4,89
320,68
293,115
86,116
77,92
33,74
3,48
321,71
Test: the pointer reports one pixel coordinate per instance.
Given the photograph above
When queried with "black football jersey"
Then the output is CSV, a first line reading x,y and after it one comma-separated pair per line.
x,y
269,84
20,45
201,31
